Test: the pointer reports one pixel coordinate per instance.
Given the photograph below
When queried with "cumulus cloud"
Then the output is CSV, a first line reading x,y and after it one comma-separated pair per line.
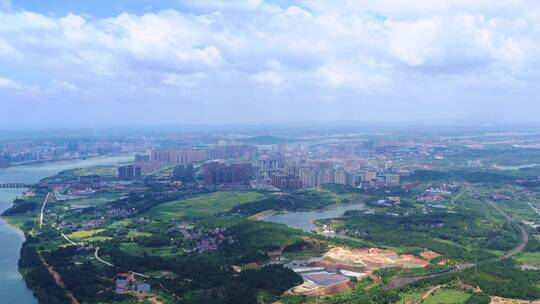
x,y
456,42
183,80
326,42
274,75
65,85
9,84
7,49
17,88
223,4
361,74
421,8
269,77
329,47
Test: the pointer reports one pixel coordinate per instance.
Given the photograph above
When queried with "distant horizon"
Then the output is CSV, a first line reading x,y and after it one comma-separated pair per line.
x,y
277,128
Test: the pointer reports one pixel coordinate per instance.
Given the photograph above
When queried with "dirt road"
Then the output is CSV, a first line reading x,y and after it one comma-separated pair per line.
x,y
58,279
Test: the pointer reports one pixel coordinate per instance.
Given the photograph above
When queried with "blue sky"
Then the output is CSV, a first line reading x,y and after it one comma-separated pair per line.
x,y
107,8
128,62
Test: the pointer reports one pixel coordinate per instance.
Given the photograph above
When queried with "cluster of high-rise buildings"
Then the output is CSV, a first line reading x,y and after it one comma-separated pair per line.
x,y
334,165
313,174
284,168
285,181
129,172
192,155
147,165
180,156
89,182
217,172
25,152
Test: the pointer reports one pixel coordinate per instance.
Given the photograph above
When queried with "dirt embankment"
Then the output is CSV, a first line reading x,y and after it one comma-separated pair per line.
x,y
58,279
309,289
373,258
499,300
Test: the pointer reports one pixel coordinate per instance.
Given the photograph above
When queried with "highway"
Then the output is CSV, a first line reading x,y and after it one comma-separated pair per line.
x,y
404,281
41,216
400,282
534,208
519,248
523,232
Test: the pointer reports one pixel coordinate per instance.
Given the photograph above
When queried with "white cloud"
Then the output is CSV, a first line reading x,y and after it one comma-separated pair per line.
x,y
360,74
223,4
274,75
421,8
6,49
269,77
458,43
65,85
183,80
7,83
326,47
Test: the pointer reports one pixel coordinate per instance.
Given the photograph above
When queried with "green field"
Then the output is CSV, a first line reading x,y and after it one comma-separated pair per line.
x,y
84,234
412,296
103,171
89,236
138,234
95,239
531,258
106,172
447,296
202,206
137,250
94,200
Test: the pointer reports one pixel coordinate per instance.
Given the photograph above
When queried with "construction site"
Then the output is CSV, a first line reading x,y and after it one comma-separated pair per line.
x,y
332,272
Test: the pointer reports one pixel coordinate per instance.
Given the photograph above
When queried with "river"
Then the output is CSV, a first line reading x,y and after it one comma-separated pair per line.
x,y
12,286
304,219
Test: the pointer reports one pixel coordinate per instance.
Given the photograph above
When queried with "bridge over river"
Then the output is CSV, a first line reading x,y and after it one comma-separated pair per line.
x,y
15,185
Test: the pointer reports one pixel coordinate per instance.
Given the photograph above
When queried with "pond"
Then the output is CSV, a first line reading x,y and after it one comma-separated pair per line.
x,y
304,219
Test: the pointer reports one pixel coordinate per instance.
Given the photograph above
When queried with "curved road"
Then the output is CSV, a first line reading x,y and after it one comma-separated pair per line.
x,y
67,239
400,282
100,259
136,273
522,230
404,281
519,248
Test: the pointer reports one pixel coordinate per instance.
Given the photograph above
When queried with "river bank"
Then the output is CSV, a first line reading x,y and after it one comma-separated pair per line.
x,y
46,161
12,285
